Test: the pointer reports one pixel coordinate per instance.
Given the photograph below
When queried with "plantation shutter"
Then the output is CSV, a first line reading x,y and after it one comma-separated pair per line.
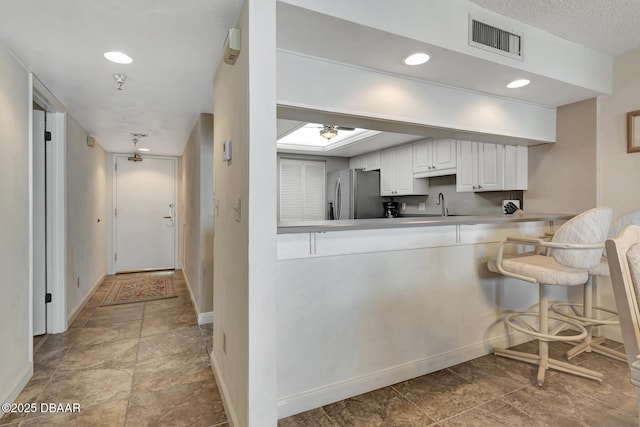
x,y
302,190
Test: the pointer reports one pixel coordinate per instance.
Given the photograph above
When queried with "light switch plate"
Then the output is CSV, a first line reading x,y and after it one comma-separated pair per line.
x,y
422,206
226,150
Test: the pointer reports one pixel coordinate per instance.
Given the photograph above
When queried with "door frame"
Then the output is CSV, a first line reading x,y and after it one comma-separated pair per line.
x,y
56,209
176,212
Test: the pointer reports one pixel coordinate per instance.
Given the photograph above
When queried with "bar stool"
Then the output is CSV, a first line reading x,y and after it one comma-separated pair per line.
x,y
576,247
584,313
624,261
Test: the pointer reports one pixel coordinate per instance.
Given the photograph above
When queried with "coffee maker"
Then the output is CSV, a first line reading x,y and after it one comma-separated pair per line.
x,y
390,209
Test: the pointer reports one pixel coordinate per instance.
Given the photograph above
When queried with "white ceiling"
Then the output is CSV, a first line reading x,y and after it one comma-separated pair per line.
x,y
607,26
177,45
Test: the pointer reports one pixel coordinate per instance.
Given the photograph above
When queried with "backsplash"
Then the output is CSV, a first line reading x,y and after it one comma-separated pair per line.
x,y
485,203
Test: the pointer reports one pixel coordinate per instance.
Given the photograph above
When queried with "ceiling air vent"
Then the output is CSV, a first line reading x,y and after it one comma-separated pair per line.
x,y
493,39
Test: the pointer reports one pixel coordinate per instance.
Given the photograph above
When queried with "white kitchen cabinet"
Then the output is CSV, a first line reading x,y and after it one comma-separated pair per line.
x,y
480,167
368,162
434,157
357,162
516,167
490,167
396,173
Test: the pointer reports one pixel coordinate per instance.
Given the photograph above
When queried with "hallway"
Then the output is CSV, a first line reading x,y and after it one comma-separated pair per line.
x,y
133,364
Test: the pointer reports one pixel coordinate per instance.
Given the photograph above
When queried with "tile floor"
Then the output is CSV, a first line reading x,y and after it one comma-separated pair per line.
x,y
491,391
147,364
141,364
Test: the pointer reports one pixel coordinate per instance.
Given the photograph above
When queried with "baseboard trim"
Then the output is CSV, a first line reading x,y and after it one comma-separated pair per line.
x,y
21,384
72,316
205,318
314,398
191,297
611,332
232,418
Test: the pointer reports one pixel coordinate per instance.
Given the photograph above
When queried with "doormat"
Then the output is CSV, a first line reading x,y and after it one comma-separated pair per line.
x,y
127,291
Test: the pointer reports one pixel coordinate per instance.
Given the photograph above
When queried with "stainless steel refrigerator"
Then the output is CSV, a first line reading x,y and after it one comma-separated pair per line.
x,y
354,193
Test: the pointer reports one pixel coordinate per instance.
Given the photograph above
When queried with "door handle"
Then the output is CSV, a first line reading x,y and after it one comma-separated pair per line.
x,y
167,217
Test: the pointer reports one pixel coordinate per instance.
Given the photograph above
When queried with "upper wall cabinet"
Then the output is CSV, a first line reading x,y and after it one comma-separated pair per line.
x,y
368,162
434,157
516,167
396,173
490,167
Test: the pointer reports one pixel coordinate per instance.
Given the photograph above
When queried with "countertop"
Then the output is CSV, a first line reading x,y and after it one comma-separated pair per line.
x,y
413,221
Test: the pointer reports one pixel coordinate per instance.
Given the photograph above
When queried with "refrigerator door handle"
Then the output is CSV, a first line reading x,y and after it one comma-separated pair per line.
x,y
338,198
354,192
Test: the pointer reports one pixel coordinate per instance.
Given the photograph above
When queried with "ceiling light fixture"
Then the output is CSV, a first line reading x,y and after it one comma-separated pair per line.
x,y
118,57
328,132
119,78
416,58
136,157
143,149
518,83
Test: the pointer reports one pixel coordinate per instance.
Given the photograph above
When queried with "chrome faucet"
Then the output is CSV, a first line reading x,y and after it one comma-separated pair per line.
x,y
440,202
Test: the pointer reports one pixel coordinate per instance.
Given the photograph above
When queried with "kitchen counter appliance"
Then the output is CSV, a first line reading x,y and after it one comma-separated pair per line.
x,y
354,194
390,209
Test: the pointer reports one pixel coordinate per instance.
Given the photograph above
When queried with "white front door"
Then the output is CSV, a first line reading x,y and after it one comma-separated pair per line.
x,y
145,214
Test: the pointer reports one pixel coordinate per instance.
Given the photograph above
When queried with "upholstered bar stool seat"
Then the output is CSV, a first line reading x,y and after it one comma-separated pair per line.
x,y
575,248
585,313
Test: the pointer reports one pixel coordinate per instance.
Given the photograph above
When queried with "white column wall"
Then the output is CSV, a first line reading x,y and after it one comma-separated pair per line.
x,y
15,312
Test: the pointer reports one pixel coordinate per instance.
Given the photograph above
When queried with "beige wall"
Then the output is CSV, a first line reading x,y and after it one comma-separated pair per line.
x,y
196,166
230,260
563,176
245,237
15,105
619,170
190,191
86,204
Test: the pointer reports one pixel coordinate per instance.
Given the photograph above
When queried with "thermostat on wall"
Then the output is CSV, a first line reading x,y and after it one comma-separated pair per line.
x,y
226,150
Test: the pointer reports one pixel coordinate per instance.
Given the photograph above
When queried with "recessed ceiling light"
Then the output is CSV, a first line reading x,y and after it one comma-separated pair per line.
x,y
416,58
518,83
143,149
118,57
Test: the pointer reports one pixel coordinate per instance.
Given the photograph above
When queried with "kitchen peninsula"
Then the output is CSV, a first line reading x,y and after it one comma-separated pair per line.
x,y
363,304
412,221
